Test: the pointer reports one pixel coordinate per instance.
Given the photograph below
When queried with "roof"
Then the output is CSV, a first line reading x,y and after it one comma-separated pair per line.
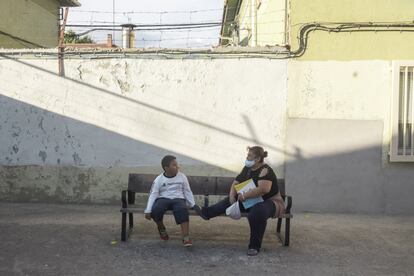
x,y
69,3
230,11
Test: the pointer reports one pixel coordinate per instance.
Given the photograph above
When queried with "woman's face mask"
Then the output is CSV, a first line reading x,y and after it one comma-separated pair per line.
x,y
249,163
250,160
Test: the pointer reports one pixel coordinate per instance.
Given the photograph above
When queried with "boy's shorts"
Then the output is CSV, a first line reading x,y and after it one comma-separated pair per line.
x,y
177,205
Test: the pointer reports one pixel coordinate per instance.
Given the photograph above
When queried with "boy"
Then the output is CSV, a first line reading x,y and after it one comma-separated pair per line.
x,y
170,191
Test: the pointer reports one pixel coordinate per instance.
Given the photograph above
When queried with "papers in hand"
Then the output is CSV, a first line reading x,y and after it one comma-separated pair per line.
x,y
244,187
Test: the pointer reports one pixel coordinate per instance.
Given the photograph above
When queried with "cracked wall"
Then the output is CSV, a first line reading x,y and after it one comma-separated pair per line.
x,y
75,139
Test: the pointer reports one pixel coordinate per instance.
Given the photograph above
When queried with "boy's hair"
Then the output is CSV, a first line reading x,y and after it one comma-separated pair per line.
x,y
166,161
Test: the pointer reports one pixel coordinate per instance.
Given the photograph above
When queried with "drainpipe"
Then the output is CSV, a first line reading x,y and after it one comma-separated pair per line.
x,y
128,36
253,13
61,48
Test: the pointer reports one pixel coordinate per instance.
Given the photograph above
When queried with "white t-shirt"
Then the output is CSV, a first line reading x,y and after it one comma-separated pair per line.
x,y
170,187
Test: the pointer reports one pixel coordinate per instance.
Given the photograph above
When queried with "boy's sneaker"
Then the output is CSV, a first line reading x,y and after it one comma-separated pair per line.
x,y
199,212
187,242
163,234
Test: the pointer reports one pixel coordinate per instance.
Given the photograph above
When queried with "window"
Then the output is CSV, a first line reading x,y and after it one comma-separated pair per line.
x,y
402,140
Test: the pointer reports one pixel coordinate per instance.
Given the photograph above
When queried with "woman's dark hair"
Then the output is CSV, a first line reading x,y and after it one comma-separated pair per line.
x,y
258,152
166,161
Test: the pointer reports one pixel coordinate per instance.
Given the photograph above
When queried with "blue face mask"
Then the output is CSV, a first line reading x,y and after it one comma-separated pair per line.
x,y
249,163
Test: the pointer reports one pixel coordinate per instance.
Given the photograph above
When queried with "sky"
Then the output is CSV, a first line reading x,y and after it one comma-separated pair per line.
x,y
152,12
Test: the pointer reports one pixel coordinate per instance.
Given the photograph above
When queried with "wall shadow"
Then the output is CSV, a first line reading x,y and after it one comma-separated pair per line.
x,y
52,158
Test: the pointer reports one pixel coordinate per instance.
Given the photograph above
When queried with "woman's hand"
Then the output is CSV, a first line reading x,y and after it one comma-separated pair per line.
x,y
232,193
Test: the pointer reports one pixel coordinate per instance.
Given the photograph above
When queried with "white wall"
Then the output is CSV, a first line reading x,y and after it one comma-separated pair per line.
x,y
75,139
349,90
111,116
339,129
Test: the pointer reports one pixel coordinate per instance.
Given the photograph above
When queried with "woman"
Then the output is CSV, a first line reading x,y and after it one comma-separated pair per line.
x,y
266,187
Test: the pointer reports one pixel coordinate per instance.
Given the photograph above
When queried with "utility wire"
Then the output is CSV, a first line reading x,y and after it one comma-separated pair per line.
x,y
158,12
141,29
148,25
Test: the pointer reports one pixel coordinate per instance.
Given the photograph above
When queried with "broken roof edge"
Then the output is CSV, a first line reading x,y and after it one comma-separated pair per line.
x,y
213,49
69,3
275,52
71,49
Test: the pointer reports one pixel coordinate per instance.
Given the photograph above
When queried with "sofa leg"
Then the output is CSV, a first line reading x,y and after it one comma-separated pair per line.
x,y
131,220
279,225
287,232
123,227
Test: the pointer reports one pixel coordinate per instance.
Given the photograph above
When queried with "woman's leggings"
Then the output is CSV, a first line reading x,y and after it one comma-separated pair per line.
x,y
257,216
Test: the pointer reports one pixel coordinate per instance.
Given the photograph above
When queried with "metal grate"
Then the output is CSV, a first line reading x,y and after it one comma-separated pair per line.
x,y
403,133
405,117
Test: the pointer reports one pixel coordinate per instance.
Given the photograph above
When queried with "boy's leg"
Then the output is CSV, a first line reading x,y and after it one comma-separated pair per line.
x,y
181,215
159,208
185,228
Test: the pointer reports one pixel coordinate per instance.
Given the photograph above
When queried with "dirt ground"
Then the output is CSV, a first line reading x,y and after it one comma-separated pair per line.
x,y
46,239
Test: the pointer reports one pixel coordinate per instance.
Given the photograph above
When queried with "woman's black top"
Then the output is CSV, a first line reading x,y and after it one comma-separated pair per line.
x,y
247,173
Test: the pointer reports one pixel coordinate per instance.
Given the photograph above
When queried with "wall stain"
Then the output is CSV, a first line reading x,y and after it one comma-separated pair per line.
x,y
40,118
55,184
15,148
79,71
104,65
123,85
16,130
43,155
103,80
76,159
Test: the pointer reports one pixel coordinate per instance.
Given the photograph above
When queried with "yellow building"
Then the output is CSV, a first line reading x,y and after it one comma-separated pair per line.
x,y
31,23
350,96
278,22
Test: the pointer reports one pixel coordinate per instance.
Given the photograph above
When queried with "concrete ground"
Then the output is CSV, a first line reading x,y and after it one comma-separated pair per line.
x,y
42,239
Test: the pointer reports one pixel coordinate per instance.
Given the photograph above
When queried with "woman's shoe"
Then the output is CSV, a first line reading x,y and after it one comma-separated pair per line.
x,y
252,252
199,212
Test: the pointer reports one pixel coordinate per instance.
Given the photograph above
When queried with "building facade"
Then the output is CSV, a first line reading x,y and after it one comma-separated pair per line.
x,y
31,23
335,114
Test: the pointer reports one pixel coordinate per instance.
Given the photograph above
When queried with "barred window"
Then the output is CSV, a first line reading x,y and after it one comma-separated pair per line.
x,y
402,140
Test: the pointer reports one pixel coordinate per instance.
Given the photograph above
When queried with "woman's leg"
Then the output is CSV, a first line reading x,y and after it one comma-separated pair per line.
x,y
216,209
257,217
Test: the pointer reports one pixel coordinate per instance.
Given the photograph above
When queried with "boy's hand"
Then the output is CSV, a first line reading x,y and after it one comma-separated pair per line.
x,y
147,216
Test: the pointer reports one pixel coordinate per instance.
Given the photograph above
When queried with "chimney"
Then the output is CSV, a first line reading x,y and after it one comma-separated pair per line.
x,y
128,36
109,41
